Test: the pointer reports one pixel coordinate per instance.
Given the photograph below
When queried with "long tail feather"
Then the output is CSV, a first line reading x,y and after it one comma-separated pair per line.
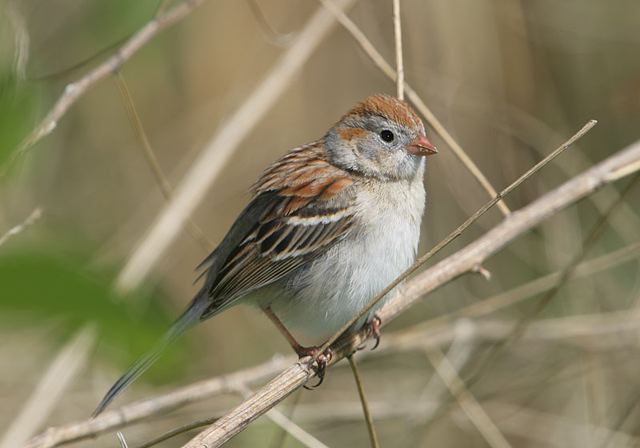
x,y
190,317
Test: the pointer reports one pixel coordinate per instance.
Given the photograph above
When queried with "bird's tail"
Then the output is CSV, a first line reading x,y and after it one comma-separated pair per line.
x,y
189,318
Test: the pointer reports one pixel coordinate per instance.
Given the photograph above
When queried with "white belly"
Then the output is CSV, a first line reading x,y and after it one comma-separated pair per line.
x,y
340,283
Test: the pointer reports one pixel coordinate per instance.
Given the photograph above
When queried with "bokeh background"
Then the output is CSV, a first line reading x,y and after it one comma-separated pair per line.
x,y
509,79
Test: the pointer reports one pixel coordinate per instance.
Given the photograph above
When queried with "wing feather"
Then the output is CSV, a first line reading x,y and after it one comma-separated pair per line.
x,y
306,206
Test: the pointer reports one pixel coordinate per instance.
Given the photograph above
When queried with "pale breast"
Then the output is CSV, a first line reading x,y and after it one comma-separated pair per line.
x,y
337,285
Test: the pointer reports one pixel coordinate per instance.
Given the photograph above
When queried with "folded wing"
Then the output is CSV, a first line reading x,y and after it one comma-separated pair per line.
x,y
303,205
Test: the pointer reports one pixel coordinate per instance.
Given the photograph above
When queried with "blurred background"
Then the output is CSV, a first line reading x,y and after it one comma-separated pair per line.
x,y
511,80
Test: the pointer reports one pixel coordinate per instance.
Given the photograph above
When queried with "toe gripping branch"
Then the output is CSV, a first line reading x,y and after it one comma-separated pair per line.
x,y
322,359
374,330
320,365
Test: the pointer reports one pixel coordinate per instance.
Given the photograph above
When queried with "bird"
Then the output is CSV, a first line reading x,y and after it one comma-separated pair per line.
x,y
330,225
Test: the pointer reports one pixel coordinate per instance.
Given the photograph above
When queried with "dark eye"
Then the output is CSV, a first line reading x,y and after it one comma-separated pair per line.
x,y
387,136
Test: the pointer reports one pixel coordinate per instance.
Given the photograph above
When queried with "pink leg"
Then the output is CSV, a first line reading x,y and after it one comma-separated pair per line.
x,y
321,358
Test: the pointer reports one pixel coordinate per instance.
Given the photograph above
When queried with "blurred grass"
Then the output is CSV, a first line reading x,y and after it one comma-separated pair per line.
x,y
42,286
509,80
18,106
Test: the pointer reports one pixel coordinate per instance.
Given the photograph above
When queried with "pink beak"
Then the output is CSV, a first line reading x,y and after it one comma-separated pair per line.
x,y
421,146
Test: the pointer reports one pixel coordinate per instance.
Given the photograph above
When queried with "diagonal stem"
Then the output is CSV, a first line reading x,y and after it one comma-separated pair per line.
x,y
466,400
445,271
211,161
373,437
456,233
397,33
414,98
154,164
74,91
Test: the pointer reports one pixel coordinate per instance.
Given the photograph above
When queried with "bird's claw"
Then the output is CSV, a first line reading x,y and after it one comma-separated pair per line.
x,y
320,364
374,329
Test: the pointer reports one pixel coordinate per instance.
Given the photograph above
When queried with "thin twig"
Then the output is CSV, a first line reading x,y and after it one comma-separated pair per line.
x,y
154,164
208,165
466,400
462,344
626,221
140,410
397,33
615,330
604,331
98,54
177,431
534,287
294,430
76,89
21,40
278,441
373,437
271,35
630,405
138,129
32,218
300,372
519,422
566,273
457,232
162,7
285,423
542,428
121,440
414,98
57,378
440,274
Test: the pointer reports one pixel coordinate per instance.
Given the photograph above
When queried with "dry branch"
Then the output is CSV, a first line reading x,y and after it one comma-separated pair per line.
x,y
415,99
137,411
57,378
530,289
371,429
154,164
397,32
428,284
73,91
291,428
599,331
32,218
619,165
552,429
207,166
461,347
107,421
466,400
458,231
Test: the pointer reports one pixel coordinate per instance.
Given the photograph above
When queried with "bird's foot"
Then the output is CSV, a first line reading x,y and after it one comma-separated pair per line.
x,y
321,361
374,330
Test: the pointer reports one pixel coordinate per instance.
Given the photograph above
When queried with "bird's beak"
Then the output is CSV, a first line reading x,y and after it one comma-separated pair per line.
x,y
421,146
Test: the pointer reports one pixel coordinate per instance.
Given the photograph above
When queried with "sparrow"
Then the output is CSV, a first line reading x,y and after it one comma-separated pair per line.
x,y
330,225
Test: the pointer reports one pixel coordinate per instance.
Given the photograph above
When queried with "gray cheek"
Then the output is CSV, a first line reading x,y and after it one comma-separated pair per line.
x,y
369,149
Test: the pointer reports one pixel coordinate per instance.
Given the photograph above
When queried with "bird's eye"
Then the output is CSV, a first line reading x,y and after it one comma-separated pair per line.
x,y
387,136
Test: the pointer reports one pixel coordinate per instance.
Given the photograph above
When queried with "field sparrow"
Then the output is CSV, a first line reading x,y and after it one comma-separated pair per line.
x,y
330,225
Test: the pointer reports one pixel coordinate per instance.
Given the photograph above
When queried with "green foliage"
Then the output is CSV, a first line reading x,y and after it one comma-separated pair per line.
x,y
17,104
39,286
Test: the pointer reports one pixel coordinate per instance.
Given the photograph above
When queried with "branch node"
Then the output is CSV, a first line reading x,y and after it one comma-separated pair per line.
x,y
479,269
70,88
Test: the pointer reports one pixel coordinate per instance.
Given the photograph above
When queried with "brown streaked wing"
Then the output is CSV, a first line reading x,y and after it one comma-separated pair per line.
x,y
311,209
